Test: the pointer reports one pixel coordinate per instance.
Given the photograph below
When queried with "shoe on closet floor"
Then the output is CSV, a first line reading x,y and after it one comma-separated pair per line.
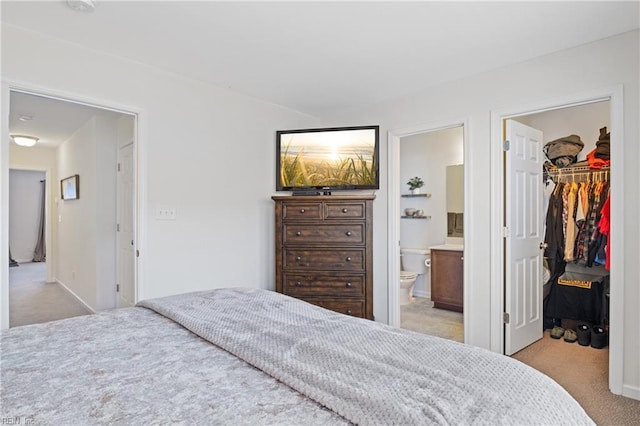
x,y
557,332
570,336
598,337
584,334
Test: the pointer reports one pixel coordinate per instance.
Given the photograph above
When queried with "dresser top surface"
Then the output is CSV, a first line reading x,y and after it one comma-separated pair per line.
x,y
327,198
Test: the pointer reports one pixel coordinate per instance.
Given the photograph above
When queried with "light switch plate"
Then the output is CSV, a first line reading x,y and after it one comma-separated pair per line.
x,y
166,213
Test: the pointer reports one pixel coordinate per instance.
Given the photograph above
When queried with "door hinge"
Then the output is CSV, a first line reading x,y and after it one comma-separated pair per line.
x,y
505,145
117,288
118,166
118,227
505,231
505,317
137,253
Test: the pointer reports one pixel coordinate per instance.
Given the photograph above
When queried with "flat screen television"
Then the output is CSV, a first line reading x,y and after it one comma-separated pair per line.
x,y
336,158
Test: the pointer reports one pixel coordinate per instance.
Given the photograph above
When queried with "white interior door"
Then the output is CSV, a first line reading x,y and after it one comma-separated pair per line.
x,y
524,236
125,228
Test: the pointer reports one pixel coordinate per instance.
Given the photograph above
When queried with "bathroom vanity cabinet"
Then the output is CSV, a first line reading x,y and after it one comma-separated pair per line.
x,y
324,251
447,279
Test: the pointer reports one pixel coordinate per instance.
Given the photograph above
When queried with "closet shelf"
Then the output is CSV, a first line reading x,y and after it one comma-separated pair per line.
x,y
571,173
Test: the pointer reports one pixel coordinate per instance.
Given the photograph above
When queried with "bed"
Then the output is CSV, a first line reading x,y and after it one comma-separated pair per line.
x,y
256,357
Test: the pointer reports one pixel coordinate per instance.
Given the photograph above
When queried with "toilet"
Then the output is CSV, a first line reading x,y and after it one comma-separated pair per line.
x,y
412,263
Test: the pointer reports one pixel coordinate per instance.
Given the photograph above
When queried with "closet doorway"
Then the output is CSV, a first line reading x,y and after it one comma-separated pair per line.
x,y
585,119
526,271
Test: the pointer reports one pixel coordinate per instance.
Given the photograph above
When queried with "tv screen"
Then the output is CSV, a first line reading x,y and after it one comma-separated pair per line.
x,y
329,159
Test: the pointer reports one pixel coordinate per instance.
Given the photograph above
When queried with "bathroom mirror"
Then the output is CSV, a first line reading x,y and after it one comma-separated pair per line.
x,y
455,200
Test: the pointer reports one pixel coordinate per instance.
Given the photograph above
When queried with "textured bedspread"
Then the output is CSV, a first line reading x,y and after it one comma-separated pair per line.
x,y
368,372
133,366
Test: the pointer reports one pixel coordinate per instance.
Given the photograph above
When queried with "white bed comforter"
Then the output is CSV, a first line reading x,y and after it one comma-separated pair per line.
x,y
365,372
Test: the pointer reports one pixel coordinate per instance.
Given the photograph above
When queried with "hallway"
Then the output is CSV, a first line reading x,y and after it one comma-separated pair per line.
x,y
32,300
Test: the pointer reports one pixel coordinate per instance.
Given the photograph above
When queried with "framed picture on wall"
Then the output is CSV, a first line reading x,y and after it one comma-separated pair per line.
x,y
70,187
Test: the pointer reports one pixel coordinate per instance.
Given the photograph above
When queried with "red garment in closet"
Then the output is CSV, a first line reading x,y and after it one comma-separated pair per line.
x,y
605,225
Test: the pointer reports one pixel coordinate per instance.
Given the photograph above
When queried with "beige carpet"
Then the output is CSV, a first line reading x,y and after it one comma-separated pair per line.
x,y
32,300
422,317
584,373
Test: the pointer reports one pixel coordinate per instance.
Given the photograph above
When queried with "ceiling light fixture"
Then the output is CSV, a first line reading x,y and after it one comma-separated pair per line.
x,y
82,5
23,140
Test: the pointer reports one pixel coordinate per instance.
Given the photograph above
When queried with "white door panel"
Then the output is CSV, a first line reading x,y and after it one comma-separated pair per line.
x,y
523,257
125,238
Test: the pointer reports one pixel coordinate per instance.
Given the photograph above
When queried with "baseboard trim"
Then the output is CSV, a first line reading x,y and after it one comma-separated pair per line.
x,y
78,298
632,392
422,294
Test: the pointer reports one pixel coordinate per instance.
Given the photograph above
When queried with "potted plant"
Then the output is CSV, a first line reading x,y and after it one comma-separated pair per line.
x,y
415,183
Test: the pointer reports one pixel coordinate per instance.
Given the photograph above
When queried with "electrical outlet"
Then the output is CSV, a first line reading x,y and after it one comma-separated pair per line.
x,y
166,213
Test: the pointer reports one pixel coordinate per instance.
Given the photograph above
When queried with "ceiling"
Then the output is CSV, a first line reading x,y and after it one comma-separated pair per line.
x,y
53,121
321,57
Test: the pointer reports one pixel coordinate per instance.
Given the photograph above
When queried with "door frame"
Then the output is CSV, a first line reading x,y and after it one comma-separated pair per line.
x,y
393,213
615,97
7,86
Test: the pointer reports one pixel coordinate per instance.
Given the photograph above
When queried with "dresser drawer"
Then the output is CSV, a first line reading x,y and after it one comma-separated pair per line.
x,y
324,234
302,211
334,259
344,211
342,285
349,307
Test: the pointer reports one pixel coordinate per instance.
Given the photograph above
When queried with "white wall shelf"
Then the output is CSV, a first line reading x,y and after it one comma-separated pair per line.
x,y
427,195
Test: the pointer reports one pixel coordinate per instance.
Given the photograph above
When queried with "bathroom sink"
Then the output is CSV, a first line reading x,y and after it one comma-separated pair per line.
x,y
451,243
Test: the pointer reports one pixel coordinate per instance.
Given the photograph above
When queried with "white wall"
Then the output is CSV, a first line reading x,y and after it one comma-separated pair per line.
x,y
205,151
76,260
427,155
595,66
25,199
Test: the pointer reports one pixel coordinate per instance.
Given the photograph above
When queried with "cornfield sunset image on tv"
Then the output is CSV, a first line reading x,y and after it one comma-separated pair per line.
x,y
328,159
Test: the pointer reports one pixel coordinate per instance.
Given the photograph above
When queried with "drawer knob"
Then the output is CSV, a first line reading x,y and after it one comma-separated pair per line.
x,y
298,233
344,210
301,210
348,233
348,285
348,259
348,311
298,283
298,258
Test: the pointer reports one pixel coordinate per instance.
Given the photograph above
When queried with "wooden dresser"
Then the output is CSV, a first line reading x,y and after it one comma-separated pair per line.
x,y
446,279
324,251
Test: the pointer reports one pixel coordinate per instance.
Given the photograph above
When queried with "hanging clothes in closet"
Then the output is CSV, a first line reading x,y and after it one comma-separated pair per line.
x,y
574,236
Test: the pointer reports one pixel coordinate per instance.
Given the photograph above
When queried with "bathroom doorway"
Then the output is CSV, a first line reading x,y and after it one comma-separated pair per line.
x,y
425,223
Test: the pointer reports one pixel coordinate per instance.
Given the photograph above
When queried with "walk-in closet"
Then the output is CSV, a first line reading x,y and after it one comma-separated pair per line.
x,y
576,199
